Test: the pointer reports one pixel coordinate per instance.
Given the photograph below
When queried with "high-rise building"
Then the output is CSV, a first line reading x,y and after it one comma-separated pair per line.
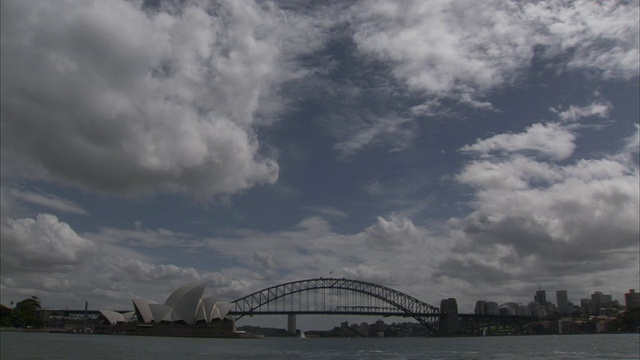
x,y
562,300
541,297
487,308
632,299
492,308
598,301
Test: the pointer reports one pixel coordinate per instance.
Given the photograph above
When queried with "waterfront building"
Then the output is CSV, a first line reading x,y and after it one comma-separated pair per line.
x,y
185,305
186,312
632,299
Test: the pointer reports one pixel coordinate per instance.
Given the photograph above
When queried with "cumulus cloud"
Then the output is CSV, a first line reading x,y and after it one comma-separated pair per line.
x,y
392,251
549,140
70,266
42,243
574,113
390,234
534,220
109,97
265,260
518,172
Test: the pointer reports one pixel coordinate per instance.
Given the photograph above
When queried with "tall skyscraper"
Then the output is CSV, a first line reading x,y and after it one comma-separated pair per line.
x,y
541,297
562,300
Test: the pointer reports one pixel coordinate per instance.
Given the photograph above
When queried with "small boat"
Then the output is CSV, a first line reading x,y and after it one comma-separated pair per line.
x,y
301,335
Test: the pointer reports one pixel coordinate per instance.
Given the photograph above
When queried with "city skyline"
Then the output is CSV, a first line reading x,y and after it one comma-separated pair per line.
x,y
461,149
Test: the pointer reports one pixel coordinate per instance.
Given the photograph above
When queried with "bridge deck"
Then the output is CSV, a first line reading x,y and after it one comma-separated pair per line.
x,y
329,312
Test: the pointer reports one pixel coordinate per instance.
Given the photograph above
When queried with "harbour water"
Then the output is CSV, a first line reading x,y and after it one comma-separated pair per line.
x,y
20,345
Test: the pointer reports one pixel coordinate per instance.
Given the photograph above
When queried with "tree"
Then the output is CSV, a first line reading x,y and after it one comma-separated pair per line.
x,y
27,313
6,318
629,320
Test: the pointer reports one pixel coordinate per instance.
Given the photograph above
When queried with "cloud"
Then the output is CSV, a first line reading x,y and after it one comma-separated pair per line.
x,y
601,36
517,172
632,143
49,201
441,47
47,257
141,238
533,220
267,263
465,49
391,132
395,234
392,251
42,243
549,140
109,97
574,113
430,54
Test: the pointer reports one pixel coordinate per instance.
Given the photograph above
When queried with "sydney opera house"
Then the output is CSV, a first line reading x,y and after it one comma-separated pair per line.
x,y
185,313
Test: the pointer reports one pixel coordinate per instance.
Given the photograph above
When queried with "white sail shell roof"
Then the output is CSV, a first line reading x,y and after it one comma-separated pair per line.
x,y
112,316
208,304
142,309
200,315
160,312
128,315
221,309
184,304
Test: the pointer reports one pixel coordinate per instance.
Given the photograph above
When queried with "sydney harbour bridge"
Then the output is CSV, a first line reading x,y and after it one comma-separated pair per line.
x,y
332,296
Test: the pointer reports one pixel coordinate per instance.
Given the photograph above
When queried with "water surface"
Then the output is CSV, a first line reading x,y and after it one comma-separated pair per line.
x,y
17,345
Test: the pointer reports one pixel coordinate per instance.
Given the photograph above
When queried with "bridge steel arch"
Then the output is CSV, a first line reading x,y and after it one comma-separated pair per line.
x,y
407,305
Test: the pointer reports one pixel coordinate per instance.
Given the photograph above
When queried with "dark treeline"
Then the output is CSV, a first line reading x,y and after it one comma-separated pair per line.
x,y
26,314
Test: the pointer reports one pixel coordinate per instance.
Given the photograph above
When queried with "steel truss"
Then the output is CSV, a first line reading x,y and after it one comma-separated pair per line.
x,y
400,303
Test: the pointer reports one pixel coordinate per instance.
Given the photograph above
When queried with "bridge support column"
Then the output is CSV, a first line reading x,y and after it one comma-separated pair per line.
x,y
291,324
449,321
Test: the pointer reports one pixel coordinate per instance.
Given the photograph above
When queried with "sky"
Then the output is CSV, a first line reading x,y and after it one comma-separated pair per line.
x,y
470,149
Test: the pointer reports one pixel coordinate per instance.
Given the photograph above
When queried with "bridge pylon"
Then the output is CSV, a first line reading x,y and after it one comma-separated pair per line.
x,y
291,324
